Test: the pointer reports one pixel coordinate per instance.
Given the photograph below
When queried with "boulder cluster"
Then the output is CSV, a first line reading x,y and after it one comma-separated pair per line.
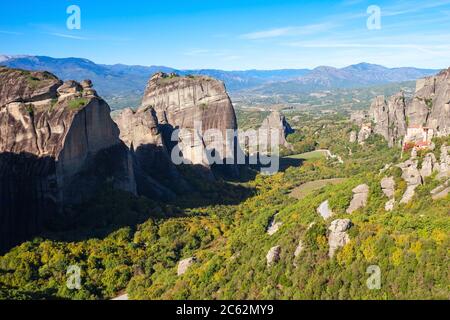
x,y
415,176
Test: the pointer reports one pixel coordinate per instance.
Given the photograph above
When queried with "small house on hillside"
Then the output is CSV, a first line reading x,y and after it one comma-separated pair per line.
x,y
418,136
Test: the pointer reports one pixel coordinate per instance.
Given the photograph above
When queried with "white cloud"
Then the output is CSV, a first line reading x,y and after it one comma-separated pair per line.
x,y
288,31
67,36
413,7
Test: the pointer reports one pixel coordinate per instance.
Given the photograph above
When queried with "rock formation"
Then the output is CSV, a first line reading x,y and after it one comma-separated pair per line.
x,y
388,188
430,106
429,165
298,251
324,210
273,256
276,124
25,86
425,116
193,104
389,118
441,192
58,145
412,177
364,133
360,196
184,265
273,226
338,236
444,167
359,117
156,175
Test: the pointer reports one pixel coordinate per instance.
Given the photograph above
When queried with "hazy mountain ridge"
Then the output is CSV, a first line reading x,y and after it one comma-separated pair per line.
x,y
359,75
120,84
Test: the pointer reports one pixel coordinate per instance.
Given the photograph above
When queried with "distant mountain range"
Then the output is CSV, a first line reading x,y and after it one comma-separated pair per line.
x,y
354,76
115,81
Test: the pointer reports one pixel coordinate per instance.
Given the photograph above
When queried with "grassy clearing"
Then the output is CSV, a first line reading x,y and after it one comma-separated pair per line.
x,y
313,155
309,187
77,104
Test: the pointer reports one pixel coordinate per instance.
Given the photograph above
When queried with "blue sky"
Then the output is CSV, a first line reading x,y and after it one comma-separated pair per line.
x,y
232,34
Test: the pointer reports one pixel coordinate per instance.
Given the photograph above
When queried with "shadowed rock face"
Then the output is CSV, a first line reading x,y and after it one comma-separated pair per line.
x,y
58,145
156,175
180,102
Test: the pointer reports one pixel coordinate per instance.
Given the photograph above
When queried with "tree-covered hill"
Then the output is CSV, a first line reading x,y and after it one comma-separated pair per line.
x,y
138,244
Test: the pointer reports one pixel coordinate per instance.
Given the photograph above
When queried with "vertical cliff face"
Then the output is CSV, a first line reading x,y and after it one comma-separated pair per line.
x,y
58,145
431,103
277,123
186,102
389,117
428,111
156,175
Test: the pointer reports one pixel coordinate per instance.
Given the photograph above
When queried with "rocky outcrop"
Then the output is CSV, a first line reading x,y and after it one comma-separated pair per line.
x,y
155,172
193,104
273,256
324,210
277,124
412,177
185,264
425,116
441,192
429,165
298,250
359,117
389,118
430,106
444,166
58,145
364,133
26,86
388,188
273,226
359,200
338,236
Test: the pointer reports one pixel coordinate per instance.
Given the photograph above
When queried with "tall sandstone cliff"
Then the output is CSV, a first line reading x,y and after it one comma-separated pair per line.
x,y
429,107
389,117
156,175
276,123
58,145
193,104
